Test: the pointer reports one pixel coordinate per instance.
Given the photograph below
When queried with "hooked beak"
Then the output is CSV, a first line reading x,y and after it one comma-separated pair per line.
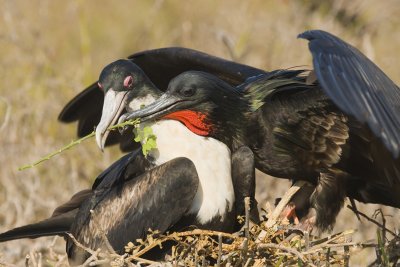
x,y
164,105
114,104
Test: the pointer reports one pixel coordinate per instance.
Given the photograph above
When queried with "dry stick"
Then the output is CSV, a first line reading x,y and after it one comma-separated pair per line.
x,y
219,250
350,244
353,204
141,260
74,143
275,246
325,241
247,218
78,244
246,227
182,234
327,257
278,210
373,221
346,256
284,201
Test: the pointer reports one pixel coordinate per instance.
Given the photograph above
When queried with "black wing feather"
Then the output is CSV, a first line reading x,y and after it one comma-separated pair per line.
x,y
155,200
57,225
357,86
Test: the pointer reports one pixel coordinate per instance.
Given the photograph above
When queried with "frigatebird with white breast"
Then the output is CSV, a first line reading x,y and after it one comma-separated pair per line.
x,y
174,187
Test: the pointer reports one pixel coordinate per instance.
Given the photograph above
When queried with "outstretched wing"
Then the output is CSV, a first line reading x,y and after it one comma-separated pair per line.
x,y
357,86
160,65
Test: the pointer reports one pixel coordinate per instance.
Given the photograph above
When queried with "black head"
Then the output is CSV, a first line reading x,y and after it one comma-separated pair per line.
x,y
122,76
124,84
207,105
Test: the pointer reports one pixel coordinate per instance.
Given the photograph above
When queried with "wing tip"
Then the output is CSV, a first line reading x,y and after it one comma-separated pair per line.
x,y
314,34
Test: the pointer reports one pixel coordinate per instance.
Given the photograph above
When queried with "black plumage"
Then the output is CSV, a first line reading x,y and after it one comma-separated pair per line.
x,y
137,193
306,131
160,66
357,86
124,212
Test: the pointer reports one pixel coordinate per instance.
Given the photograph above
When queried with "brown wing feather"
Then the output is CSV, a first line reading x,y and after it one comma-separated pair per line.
x,y
316,137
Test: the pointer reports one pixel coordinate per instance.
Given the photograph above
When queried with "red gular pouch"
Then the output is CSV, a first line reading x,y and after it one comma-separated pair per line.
x,y
194,121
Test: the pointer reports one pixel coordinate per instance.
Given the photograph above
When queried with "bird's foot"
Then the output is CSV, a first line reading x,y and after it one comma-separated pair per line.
x,y
308,222
289,214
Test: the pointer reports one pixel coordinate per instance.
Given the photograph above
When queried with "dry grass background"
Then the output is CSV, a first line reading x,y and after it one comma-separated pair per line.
x,y
50,50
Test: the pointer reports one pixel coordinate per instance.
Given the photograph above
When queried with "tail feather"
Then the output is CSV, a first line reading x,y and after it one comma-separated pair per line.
x,y
57,225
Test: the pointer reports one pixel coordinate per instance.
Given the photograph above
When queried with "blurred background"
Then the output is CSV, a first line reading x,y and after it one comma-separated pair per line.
x,y
51,50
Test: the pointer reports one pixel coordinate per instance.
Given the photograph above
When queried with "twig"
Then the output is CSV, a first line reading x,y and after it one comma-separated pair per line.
x,y
78,244
373,221
328,252
219,250
353,204
326,240
74,143
306,240
284,201
173,236
346,256
247,262
350,244
278,210
275,246
203,262
247,218
141,260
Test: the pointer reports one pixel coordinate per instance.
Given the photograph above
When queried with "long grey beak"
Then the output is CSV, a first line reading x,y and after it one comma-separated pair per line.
x,y
114,103
162,106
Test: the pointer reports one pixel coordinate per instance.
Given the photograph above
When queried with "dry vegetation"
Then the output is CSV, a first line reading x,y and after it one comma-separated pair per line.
x,y
50,50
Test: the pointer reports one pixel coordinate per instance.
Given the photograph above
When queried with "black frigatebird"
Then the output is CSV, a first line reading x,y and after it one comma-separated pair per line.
x,y
160,66
204,189
162,198
340,132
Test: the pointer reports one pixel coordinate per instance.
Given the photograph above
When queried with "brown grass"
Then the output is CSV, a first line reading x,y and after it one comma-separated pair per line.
x,y
51,50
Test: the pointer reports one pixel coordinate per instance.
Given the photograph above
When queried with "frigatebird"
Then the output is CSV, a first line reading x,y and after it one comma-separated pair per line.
x,y
163,191
161,198
160,66
340,132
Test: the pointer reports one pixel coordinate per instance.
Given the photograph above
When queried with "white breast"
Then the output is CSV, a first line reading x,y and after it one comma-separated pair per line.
x,y
212,160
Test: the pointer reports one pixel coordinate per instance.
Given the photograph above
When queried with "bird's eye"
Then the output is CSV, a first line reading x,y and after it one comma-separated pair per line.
x,y
188,91
128,82
100,86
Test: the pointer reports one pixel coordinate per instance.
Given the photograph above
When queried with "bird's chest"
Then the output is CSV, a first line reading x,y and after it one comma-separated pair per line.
x,y
212,160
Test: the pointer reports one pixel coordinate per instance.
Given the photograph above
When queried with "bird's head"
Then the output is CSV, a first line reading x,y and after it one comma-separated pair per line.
x,y
126,88
206,105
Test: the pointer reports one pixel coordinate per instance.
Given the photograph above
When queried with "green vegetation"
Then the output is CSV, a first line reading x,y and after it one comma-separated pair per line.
x,y
146,137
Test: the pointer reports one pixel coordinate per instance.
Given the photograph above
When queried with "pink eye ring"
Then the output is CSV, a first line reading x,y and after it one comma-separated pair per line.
x,y
100,86
128,81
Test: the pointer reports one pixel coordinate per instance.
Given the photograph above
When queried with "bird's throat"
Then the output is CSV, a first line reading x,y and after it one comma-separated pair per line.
x,y
194,121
